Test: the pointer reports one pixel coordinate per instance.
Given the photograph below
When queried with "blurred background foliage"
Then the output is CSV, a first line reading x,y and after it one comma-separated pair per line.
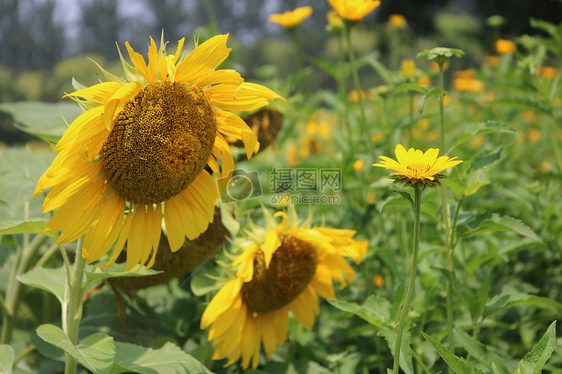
x,y
42,50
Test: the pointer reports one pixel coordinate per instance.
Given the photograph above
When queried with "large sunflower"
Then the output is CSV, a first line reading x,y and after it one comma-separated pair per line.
x,y
141,148
283,267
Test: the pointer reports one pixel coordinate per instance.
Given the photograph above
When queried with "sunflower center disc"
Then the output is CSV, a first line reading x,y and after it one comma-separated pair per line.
x,y
161,141
291,269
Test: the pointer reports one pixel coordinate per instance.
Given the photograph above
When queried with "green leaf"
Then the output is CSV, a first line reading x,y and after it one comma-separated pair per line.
x,y
51,280
405,359
375,310
480,172
411,87
433,92
479,351
458,364
482,128
6,359
168,359
541,352
28,226
96,352
45,120
98,273
506,301
326,67
486,222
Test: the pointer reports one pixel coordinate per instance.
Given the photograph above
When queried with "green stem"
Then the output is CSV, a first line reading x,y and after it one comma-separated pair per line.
x,y
412,282
355,75
342,87
15,289
298,52
74,314
447,223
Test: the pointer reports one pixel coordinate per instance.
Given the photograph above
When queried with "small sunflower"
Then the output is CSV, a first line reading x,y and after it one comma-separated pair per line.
x,y
141,148
291,18
417,168
354,10
283,267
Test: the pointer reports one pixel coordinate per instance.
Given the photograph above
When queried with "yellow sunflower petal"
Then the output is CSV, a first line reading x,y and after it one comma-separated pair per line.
x,y
124,233
250,339
138,61
138,242
174,226
98,93
105,229
305,307
123,94
220,302
203,59
152,61
232,125
224,76
86,126
247,96
269,246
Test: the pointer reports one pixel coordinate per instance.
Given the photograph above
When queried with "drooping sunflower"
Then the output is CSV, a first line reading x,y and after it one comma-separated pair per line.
x,y
415,167
141,148
283,267
354,10
291,18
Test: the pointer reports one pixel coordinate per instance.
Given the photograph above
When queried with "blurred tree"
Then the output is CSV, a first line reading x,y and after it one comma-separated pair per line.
x,y
100,25
172,16
30,37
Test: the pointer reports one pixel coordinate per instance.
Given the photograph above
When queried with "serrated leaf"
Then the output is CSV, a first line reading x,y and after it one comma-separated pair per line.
x,y
458,364
487,222
479,351
541,352
51,280
96,352
480,172
482,128
405,359
28,226
506,301
375,310
6,359
168,359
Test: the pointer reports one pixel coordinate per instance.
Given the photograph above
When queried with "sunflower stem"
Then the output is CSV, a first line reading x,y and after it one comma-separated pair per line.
x,y
447,223
412,280
74,304
342,87
298,51
355,75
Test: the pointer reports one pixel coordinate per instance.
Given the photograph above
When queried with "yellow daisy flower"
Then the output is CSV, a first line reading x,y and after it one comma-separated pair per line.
x,y
397,20
141,148
291,18
282,268
354,10
417,168
505,47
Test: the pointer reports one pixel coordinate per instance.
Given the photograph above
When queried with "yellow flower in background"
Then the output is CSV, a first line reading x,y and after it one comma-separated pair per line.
x,y
534,135
359,165
548,72
477,142
504,47
334,20
138,154
424,81
283,267
397,20
354,10
291,18
434,66
491,61
417,168
469,85
354,96
408,68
